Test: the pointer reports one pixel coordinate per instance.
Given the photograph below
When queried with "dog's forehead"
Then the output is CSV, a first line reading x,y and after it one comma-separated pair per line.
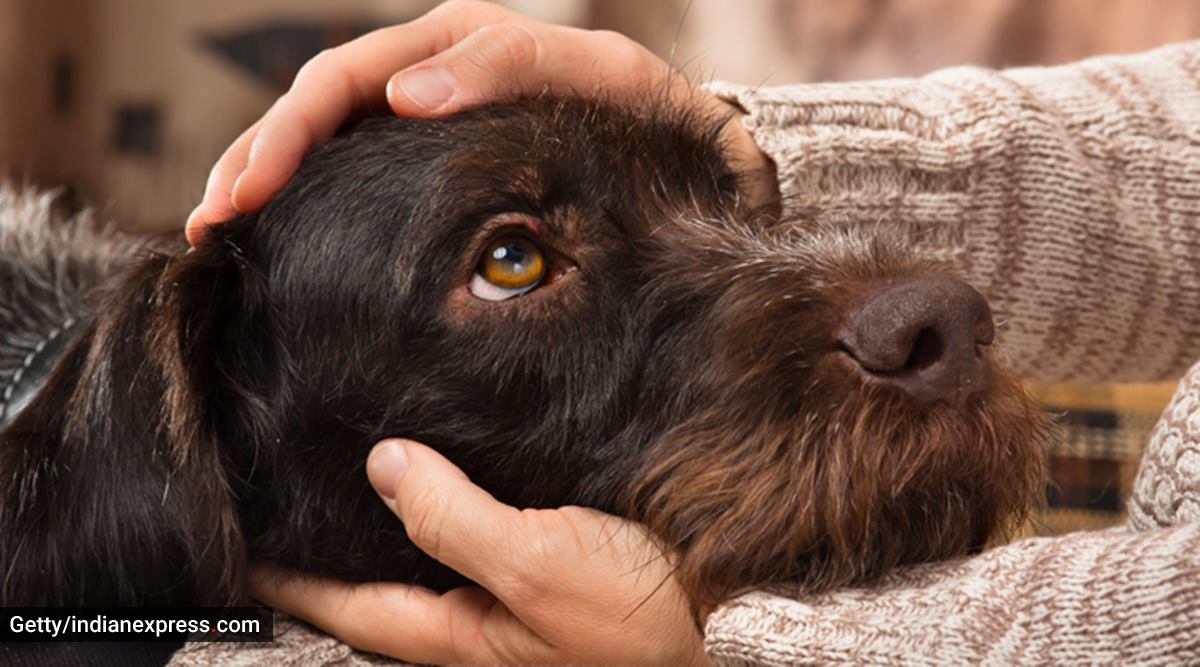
x,y
588,149
392,192
539,150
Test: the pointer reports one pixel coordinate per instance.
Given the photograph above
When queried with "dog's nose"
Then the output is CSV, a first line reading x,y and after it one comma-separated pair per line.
x,y
925,336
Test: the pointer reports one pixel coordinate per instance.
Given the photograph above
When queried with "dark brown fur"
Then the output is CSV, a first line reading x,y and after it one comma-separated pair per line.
x,y
842,480
219,405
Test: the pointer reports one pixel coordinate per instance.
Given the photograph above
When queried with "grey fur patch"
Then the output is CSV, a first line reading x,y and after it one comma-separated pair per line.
x,y
49,265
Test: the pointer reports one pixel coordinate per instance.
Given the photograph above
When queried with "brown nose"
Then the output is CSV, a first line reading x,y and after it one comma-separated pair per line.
x,y
923,335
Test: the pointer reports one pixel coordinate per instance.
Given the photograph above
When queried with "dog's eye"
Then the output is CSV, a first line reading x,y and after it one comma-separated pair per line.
x,y
510,266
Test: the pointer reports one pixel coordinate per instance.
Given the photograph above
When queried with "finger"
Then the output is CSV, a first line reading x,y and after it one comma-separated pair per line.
x,y
447,516
337,82
216,205
465,625
506,60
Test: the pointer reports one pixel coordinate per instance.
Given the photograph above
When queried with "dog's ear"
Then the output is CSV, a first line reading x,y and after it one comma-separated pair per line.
x,y
118,488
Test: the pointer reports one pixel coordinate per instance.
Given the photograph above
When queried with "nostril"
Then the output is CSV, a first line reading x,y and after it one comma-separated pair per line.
x,y
924,335
927,348
985,326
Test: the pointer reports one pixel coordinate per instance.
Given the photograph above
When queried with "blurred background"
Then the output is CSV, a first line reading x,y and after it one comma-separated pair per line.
x,y
125,104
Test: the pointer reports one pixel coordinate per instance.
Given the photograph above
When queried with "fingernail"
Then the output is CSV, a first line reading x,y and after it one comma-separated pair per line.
x,y
428,87
385,466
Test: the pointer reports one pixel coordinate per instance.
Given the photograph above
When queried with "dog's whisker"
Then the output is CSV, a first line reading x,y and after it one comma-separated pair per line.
x,y
649,596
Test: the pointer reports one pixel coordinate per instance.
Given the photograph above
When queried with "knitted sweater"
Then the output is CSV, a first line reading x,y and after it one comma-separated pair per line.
x,y
1121,596
1070,197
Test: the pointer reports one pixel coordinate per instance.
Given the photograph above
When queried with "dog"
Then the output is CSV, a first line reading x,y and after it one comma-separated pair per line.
x,y
571,300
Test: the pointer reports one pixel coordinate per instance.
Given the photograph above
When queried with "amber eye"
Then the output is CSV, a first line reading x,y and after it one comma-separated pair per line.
x,y
510,266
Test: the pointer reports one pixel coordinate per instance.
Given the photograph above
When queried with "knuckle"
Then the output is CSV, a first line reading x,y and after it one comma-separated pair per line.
x,y
574,517
611,37
466,636
540,549
424,520
625,53
509,47
315,67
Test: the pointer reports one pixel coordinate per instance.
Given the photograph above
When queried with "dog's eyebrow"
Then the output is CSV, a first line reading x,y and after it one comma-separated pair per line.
x,y
538,224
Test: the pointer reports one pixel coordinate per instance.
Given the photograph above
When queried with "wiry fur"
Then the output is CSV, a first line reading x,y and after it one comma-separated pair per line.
x,y
49,263
833,479
683,371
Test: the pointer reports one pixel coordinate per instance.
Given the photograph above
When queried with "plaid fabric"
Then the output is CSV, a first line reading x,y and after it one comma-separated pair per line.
x,y
1092,466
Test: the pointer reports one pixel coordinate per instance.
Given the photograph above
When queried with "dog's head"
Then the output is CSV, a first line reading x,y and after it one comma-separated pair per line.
x,y
570,301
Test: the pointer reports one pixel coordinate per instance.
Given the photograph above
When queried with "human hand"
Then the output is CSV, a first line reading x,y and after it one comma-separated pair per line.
x,y
563,586
461,54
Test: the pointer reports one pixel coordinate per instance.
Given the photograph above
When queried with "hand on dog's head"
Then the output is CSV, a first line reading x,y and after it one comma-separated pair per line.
x,y
567,299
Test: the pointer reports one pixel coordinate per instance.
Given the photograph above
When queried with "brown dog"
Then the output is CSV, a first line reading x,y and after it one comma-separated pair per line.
x,y
567,299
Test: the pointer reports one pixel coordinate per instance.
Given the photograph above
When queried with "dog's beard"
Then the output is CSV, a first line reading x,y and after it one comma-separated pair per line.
x,y
857,480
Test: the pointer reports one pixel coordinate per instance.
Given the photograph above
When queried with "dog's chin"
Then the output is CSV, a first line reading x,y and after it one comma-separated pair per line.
x,y
842,495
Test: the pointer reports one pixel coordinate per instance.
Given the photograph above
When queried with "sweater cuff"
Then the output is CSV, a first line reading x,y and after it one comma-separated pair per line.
x,y
872,150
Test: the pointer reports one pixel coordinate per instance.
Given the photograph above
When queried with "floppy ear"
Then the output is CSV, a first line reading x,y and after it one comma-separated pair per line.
x,y
117,489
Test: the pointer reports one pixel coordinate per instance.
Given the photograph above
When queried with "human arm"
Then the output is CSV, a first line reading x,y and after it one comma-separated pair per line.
x,y
1128,595
1069,196
1116,596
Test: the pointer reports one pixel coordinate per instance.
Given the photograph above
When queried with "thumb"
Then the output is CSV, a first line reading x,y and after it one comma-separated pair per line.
x,y
445,515
493,62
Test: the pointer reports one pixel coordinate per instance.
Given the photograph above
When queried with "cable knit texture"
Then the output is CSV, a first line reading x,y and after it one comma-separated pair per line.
x,y
1069,196
1121,596
1111,597
1167,489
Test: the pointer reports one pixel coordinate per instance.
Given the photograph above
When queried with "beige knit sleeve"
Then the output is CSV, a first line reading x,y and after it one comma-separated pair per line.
x,y
1167,489
1113,597
1070,196
1122,596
